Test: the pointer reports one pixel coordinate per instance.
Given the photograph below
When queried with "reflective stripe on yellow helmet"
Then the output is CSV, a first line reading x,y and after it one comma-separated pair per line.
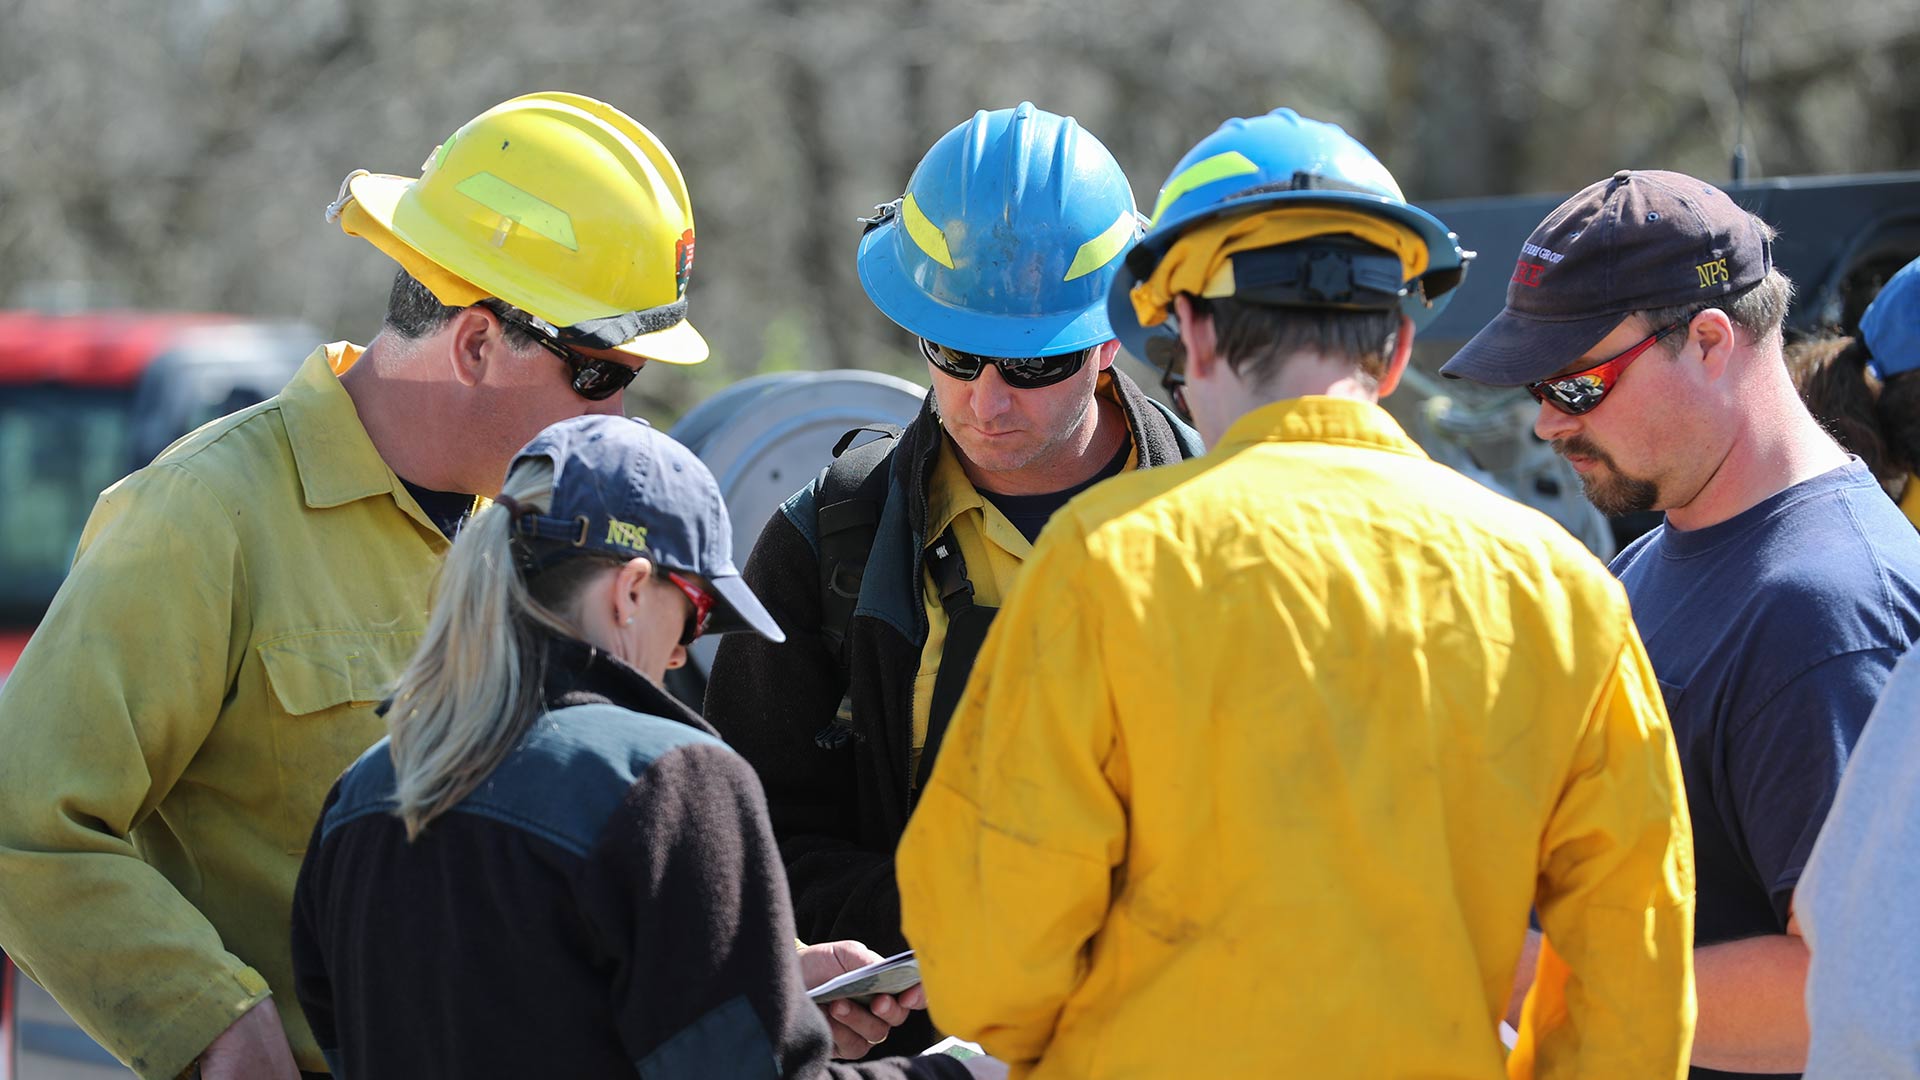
x,y
519,208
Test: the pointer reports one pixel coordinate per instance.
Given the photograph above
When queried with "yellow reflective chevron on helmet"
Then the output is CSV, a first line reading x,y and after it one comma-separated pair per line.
x,y
1202,173
522,208
925,233
1100,250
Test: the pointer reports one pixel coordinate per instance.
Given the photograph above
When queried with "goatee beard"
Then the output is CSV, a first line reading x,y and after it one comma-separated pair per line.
x,y
1616,494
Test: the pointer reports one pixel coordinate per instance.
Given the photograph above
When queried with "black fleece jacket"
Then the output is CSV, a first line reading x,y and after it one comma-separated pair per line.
x,y
839,813
608,902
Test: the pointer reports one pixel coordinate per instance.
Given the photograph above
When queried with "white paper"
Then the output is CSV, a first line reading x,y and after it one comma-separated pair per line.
x,y
889,976
955,1047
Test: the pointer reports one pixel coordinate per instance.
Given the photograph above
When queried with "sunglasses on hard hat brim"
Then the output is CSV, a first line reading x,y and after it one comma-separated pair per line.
x,y
1168,356
1582,391
1019,372
593,378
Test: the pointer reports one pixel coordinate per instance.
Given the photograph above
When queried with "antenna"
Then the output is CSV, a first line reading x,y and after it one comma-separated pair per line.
x,y
1738,168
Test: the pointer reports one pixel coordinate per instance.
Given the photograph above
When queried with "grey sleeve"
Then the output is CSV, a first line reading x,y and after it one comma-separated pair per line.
x,y
1856,902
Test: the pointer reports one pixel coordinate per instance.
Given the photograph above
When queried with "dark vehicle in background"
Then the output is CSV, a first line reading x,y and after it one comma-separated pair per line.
x,y
1840,238
85,399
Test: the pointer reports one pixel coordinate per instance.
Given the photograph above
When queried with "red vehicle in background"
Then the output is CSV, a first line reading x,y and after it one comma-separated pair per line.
x,y
85,399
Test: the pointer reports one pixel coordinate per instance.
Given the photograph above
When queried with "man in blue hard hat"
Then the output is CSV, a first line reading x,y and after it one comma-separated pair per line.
x,y
888,569
1272,751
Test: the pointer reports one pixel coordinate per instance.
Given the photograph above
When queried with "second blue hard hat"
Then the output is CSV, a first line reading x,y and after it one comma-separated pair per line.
x,y
1007,238
1261,162
1891,324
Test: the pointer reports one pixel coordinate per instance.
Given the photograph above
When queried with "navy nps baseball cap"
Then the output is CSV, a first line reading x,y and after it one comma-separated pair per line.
x,y
1637,241
1891,325
622,488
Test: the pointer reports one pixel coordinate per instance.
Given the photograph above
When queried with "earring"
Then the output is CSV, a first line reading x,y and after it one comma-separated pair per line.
x,y
629,621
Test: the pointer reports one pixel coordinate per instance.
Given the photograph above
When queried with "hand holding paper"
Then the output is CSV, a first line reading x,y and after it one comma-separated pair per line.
x,y
861,994
889,976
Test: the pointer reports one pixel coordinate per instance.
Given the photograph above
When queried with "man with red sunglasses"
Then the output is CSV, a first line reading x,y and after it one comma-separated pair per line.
x,y
888,570
1645,315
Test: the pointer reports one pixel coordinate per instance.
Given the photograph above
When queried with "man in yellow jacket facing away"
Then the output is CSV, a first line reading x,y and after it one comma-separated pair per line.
x,y
1270,753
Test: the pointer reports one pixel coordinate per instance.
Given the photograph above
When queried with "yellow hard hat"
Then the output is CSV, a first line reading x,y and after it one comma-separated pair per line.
x,y
560,205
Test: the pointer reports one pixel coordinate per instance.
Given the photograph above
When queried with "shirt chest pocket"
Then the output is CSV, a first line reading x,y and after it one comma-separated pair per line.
x,y
326,684
1671,694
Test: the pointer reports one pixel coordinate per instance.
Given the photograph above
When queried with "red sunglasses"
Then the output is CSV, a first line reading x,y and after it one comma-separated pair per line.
x,y
1583,391
703,603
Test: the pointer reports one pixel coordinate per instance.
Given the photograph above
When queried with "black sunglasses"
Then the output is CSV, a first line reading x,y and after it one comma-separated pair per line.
x,y
1020,372
593,378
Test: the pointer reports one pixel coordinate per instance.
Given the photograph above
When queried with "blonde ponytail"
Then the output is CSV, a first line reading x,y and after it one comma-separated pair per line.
x,y
473,688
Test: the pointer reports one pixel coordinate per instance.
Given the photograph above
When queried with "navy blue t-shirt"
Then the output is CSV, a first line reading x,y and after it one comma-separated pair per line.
x,y
446,509
1771,634
1030,513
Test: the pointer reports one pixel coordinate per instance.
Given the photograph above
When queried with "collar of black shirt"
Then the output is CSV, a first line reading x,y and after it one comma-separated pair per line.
x,y
580,674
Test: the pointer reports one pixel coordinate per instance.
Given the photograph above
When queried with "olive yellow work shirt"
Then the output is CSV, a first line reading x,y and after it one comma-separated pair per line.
x,y
993,548
1265,761
209,667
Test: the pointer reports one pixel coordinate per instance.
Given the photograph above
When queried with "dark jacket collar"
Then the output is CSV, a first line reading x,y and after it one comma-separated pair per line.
x,y
580,674
890,590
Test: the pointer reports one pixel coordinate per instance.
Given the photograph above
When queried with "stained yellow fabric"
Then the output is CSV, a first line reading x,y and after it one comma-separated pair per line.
x,y
993,549
1197,263
1910,500
210,666
1264,763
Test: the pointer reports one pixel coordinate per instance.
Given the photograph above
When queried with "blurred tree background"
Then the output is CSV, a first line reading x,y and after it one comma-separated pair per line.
x,y
179,154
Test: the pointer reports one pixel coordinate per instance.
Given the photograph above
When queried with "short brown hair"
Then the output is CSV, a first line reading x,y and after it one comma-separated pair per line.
x,y
1257,339
1760,309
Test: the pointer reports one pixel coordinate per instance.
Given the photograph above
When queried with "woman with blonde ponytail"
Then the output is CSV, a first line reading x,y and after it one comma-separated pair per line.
x,y
550,867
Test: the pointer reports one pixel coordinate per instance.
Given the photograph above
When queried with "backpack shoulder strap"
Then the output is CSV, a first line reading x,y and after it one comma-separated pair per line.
x,y
847,502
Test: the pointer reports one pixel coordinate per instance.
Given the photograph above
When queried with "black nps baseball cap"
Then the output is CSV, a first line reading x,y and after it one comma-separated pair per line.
x,y
1637,241
622,488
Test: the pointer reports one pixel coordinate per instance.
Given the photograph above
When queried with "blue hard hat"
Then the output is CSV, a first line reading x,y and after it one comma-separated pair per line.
x,y
1007,238
1891,325
1254,162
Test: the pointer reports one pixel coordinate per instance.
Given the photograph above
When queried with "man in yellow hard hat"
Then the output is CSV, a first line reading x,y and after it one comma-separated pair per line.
x,y
236,608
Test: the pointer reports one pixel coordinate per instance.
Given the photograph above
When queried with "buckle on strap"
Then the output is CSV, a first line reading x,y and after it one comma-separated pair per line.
x,y
949,569
882,213
540,527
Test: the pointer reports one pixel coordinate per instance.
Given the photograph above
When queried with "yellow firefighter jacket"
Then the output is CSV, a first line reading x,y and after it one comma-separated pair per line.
x,y
207,670
1264,763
